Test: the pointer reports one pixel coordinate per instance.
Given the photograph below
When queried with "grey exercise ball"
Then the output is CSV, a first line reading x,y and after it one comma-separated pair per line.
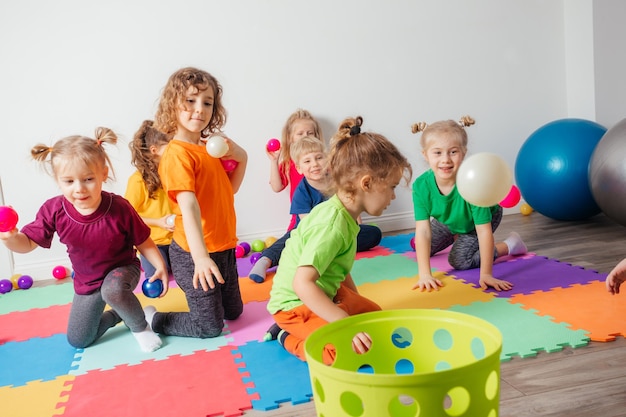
x,y
607,173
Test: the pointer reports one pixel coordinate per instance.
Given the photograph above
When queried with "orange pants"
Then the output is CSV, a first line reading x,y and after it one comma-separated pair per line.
x,y
300,322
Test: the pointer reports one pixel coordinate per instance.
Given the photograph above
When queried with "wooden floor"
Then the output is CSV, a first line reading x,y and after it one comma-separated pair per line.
x,y
582,382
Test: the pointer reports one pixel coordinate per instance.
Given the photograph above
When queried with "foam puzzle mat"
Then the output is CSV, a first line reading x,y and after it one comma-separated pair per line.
x,y
552,305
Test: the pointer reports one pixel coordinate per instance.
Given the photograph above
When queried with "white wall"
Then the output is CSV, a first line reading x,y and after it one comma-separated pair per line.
x,y
70,65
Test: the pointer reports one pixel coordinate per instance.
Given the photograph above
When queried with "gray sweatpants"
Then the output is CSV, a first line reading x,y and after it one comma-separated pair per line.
x,y
88,320
465,253
207,309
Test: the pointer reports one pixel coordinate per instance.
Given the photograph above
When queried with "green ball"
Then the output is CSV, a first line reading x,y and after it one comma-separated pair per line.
x,y
258,245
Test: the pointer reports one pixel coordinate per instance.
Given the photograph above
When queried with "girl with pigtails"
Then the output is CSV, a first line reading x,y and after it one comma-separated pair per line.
x,y
101,231
443,218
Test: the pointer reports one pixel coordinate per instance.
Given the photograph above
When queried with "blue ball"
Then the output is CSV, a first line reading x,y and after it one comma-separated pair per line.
x,y
152,289
552,169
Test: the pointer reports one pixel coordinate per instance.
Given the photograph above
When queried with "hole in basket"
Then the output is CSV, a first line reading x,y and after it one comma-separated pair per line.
x,y
319,391
329,354
457,401
365,369
442,339
442,366
492,386
402,338
403,406
361,343
478,348
404,367
351,404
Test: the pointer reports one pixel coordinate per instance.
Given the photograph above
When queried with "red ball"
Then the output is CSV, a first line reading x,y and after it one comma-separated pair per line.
x,y
229,164
59,272
240,252
273,145
8,218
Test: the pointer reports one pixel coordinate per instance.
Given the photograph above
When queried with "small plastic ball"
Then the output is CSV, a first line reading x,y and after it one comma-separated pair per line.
x,y
229,164
216,146
512,198
258,245
273,145
270,241
152,289
240,252
14,278
255,257
5,286
525,209
25,282
484,179
59,272
171,220
413,243
8,218
246,247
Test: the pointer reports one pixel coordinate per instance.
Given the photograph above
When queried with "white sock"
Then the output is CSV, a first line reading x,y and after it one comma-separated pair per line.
x,y
149,311
148,340
515,244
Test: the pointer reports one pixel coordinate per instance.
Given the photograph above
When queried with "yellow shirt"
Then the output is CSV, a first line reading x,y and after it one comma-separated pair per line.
x,y
137,195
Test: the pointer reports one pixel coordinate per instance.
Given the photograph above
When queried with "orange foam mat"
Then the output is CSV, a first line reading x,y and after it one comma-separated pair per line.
x,y
397,294
586,307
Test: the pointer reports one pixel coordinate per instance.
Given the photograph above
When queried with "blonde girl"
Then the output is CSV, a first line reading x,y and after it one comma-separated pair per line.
x,y
443,218
101,231
283,171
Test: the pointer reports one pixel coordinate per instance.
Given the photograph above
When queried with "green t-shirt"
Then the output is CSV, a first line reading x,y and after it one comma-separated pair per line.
x,y
452,210
325,240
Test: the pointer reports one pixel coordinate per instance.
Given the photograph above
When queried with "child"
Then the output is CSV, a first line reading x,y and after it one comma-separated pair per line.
x,y
201,192
145,193
309,157
616,277
443,218
313,285
101,231
282,168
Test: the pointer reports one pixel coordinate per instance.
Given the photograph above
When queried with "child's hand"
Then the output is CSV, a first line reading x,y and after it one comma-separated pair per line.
x,y
205,271
427,283
164,277
361,343
235,152
616,277
497,284
163,223
8,235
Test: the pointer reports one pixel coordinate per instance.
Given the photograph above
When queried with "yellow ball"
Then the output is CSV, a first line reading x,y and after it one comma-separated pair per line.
x,y
14,279
525,209
270,241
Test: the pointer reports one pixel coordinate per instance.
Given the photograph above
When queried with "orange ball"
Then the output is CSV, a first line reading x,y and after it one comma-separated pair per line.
x,y
270,241
525,209
14,279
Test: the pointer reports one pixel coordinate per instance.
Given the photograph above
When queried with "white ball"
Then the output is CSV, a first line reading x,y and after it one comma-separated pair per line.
x,y
216,146
484,179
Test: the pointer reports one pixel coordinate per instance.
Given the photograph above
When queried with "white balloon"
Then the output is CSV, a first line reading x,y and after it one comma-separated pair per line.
x,y
216,146
484,179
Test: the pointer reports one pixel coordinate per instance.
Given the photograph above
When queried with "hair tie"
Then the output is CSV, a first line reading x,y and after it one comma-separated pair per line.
x,y
355,130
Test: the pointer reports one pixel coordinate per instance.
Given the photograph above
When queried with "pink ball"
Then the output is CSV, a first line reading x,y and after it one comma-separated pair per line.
x,y
229,164
59,272
413,242
273,145
8,218
240,252
512,198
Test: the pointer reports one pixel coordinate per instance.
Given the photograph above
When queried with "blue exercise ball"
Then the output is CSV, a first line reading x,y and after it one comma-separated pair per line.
x,y
607,173
552,169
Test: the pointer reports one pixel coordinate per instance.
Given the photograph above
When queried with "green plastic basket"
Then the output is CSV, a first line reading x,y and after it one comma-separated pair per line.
x,y
422,363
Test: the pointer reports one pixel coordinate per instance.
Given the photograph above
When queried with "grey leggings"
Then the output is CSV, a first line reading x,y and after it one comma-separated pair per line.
x,y
465,253
88,320
207,309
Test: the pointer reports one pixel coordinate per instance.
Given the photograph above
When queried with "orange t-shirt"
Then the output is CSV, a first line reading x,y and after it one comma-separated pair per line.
x,y
188,167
